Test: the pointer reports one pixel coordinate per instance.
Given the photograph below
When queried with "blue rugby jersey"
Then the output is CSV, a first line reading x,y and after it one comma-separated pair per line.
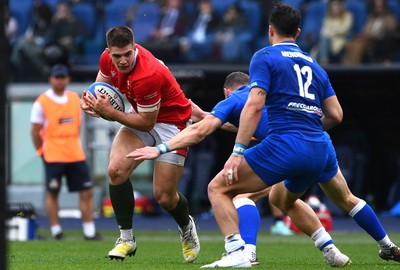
x,y
229,109
296,87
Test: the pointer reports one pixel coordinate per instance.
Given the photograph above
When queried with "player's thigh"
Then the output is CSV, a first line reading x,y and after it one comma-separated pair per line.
x,y
124,142
255,196
281,197
166,178
248,182
338,191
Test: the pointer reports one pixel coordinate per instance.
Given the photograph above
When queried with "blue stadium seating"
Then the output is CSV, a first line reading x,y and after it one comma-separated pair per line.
x,y
394,6
146,20
220,6
22,11
87,14
297,4
311,25
359,10
252,12
115,13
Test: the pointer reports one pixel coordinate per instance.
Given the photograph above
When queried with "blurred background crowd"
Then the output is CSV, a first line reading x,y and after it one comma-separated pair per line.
x,y
44,32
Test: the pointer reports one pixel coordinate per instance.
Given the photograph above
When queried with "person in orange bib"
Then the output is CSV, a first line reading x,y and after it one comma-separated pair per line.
x,y
56,120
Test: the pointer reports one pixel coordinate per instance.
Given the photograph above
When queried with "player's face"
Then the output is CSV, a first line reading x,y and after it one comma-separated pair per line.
x,y
123,58
59,83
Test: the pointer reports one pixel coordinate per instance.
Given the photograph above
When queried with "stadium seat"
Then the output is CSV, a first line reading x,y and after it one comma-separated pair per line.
x,y
115,13
394,6
294,3
87,14
221,6
359,10
22,11
146,20
252,12
311,25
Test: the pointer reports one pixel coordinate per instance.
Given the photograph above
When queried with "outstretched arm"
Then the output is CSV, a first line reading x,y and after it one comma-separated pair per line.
x,y
198,114
187,137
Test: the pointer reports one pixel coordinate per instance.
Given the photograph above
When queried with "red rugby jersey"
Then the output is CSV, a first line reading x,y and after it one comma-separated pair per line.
x,y
149,83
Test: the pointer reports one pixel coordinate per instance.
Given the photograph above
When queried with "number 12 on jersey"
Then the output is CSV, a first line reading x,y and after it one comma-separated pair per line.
x,y
303,87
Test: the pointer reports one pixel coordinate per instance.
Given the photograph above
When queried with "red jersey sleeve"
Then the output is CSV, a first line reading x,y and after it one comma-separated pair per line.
x,y
105,65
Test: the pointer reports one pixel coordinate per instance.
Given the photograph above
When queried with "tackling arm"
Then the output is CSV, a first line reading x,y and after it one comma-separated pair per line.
x,y
187,137
198,114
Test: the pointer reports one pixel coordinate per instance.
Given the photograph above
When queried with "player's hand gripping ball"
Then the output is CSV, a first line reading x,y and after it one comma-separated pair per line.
x,y
115,97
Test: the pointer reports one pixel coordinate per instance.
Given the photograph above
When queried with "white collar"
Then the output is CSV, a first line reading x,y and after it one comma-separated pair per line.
x,y
291,43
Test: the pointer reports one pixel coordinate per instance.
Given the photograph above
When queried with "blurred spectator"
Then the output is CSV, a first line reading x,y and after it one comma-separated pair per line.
x,y
164,41
11,26
198,43
27,56
336,28
233,36
378,30
67,36
68,31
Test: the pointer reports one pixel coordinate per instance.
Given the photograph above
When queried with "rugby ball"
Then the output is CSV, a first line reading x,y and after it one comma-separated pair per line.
x,y
116,99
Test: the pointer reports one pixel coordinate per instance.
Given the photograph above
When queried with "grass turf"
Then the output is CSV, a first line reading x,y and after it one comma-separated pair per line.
x,y
161,250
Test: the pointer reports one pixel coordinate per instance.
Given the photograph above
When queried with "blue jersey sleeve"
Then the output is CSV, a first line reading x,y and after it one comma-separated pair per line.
x,y
259,70
223,110
329,89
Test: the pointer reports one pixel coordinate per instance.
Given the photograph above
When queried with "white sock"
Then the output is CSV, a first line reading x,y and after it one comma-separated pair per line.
x,y
126,234
89,229
233,243
321,237
249,248
55,229
385,244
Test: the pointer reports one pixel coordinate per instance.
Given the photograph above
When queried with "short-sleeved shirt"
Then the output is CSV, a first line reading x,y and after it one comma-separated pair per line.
x,y
229,109
296,148
149,83
296,87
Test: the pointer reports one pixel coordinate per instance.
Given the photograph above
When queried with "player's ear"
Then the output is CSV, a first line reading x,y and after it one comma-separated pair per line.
x,y
226,92
298,33
271,30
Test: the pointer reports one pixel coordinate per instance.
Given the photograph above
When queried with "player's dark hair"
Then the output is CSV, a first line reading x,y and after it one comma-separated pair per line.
x,y
285,19
119,36
236,78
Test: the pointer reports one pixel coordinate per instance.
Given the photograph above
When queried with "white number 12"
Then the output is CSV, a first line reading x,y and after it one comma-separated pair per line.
x,y
303,88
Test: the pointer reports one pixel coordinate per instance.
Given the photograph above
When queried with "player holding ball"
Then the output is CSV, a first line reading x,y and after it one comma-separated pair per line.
x,y
159,111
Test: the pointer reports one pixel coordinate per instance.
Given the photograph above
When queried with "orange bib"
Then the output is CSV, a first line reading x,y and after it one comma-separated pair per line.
x,y
61,141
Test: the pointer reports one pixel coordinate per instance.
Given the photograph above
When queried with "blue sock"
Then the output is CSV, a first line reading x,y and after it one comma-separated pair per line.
x,y
366,218
249,219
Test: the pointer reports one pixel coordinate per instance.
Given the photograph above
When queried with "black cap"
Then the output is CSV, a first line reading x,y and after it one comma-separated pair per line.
x,y
59,70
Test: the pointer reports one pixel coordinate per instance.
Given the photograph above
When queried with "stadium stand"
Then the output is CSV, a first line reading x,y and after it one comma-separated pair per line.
x,y
311,25
100,15
146,20
221,6
21,10
359,11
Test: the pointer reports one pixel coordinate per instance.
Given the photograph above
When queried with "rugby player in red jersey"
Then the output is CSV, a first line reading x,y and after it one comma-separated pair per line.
x,y
159,111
